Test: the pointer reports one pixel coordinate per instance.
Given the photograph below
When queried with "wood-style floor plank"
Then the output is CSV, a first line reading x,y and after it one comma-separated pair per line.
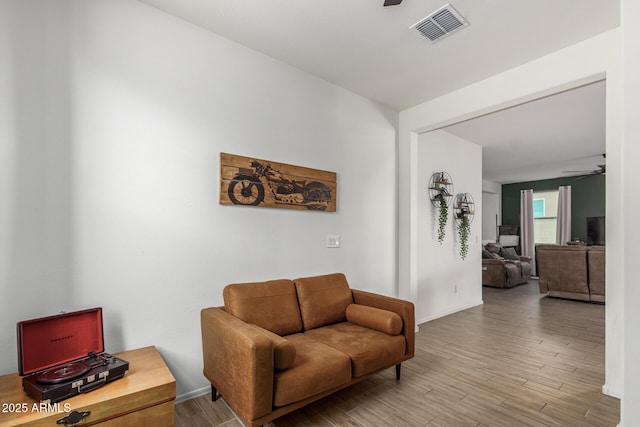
x,y
520,359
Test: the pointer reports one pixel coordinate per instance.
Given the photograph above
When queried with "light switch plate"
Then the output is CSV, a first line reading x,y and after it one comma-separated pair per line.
x,y
333,241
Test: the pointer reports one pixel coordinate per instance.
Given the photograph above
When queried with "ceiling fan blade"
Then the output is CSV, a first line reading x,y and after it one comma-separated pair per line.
x,y
392,2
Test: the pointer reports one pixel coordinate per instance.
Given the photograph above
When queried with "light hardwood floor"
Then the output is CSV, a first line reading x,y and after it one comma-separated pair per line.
x,y
520,359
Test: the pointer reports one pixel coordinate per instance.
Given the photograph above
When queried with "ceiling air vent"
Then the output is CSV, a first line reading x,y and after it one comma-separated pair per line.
x,y
441,23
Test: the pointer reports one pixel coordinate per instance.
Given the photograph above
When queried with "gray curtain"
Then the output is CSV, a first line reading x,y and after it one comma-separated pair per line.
x,y
527,240
563,227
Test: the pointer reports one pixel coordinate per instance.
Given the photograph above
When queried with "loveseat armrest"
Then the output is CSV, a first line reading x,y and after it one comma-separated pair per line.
x,y
404,309
239,362
525,258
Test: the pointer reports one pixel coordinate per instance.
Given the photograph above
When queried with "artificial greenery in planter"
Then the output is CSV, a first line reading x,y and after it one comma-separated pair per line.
x,y
443,210
440,194
464,210
463,235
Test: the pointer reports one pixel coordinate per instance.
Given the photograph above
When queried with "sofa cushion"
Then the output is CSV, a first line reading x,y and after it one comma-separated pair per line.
x,y
284,352
510,253
375,318
272,305
323,299
487,255
494,248
368,349
317,367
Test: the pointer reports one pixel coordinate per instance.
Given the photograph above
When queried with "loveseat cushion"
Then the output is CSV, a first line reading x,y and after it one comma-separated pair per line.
x,y
323,299
317,367
368,349
510,253
272,305
494,248
487,255
375,318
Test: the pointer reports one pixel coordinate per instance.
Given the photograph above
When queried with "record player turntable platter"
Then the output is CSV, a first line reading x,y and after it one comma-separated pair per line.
x,y
63,373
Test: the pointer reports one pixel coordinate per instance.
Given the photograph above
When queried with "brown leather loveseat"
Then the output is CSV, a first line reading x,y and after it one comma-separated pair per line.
x,y
279,345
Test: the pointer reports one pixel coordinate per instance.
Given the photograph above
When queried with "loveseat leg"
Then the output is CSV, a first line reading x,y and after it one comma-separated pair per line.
x,y
398,371
214,393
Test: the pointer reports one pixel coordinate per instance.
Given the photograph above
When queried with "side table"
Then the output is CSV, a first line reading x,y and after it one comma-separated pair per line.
x,y
144,397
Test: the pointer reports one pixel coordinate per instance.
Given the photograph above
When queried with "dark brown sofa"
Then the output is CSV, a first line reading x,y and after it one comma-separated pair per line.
x,y
279,345
574,272
499,271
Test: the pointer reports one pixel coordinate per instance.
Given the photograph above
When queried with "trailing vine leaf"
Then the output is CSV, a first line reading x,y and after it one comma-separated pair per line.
x,y
442,218
463,234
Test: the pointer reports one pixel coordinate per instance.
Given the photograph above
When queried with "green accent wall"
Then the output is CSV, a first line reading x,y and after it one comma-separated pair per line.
x,y
587,199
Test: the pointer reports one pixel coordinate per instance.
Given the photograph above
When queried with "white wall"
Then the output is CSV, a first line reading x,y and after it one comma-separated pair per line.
x,y
630,413
119,187
446,282
582,63
35,193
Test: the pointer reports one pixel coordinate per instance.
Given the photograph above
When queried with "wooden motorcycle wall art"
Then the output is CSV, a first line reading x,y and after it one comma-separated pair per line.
x,y
253,182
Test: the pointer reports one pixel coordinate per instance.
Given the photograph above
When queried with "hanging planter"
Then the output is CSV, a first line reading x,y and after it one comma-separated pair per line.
x,y
464,211
440,194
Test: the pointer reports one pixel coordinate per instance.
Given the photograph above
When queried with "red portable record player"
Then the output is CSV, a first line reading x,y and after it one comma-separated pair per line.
x,y
63,355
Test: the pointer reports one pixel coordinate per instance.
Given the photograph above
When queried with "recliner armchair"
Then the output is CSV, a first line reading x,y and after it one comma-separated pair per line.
x,y
503,268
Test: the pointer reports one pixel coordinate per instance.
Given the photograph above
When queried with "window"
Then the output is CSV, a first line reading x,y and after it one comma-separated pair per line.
x,y
545,208
538,208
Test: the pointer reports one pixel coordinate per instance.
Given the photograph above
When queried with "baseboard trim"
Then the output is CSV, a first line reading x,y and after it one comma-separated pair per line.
x,y
609,392
192,394
446,313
